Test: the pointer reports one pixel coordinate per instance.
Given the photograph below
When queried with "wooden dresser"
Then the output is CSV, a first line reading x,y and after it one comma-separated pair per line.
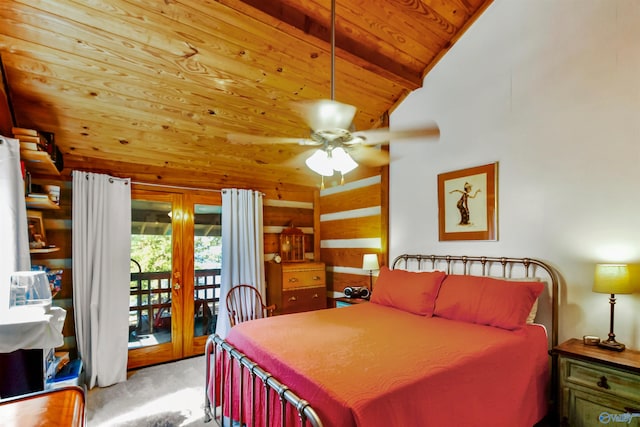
x,y
296,286
597,386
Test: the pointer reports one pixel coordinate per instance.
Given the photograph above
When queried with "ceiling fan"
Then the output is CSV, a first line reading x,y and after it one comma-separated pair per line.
x,y
330,122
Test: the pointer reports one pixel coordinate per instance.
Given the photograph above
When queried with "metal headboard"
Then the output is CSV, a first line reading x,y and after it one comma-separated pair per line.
x,y
492,267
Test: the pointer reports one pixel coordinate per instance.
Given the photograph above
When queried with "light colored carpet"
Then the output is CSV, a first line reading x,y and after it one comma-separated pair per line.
x,y
168,395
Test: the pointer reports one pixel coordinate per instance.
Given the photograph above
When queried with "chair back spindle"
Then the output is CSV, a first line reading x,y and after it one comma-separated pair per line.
x,y
244,303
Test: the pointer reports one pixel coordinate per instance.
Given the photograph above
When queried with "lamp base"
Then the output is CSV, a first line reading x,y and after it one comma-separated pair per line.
x,y
611,345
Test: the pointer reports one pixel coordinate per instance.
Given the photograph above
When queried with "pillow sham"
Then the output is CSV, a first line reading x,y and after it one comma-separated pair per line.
x,y
487,301
531,318
410,291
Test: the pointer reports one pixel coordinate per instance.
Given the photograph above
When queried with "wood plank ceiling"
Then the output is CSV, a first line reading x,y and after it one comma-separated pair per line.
x,y
151,89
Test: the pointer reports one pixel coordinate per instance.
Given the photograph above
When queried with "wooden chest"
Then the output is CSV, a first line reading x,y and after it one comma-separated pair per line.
x,y
295,287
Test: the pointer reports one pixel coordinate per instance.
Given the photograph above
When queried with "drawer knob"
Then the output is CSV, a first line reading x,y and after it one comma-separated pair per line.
x,y
316,277
603,383
291,299
293,279
315,295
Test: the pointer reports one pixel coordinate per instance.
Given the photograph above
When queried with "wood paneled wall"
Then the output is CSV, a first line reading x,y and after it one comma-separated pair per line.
x,y
353,222
294,208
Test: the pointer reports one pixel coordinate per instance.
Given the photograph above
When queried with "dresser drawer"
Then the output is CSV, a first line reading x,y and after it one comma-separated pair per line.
x,y
601,378
311,278
296,286
304,299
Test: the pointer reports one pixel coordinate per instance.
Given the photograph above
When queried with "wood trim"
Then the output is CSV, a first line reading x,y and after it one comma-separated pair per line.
x,y
317,225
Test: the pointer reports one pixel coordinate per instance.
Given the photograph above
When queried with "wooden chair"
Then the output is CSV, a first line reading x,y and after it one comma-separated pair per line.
x,y
245,303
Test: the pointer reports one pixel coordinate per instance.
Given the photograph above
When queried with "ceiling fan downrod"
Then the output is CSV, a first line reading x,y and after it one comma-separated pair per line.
x,y
333,49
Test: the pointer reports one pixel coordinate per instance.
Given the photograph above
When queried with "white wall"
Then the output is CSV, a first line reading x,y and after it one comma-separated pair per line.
x,y
550,89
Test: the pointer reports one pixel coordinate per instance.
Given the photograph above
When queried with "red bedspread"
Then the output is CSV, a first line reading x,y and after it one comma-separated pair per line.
x,y
370,365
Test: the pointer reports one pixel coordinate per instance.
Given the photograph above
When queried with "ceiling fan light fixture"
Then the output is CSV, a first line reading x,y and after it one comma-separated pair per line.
x,y
320,163
342,161
329,114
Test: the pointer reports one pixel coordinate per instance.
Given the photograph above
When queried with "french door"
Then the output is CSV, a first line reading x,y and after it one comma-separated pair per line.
x,y
175,273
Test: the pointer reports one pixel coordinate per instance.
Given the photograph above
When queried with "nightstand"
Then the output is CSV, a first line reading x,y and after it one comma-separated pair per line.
x,y
597,386
346,302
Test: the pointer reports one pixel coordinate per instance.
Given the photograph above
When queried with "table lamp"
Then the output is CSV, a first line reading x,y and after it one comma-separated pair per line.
x,y
612,279
370,262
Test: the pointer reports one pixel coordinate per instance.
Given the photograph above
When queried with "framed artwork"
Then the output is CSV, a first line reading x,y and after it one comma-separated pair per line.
x,y
37,238
468,204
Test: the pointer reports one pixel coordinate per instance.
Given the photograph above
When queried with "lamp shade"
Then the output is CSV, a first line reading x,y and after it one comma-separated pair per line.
x,y
612,279
370,262
325,114
342,161
319,163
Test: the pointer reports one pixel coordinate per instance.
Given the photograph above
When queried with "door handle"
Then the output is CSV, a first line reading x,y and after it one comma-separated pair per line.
x,y
176,280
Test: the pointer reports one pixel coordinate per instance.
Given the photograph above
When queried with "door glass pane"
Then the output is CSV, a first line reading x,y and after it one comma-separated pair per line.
x,y
207,258
150,288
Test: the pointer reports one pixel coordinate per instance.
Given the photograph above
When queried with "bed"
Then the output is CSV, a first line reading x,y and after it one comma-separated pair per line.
x,y
445,340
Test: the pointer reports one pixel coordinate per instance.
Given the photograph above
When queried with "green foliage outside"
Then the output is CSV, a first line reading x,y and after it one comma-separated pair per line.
x,y
153,252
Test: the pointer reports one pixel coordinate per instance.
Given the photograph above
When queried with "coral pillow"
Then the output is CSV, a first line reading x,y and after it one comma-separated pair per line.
x,y
487,301
410,291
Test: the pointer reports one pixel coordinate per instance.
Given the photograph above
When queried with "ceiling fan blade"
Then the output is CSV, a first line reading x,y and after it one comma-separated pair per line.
x,y
369,156
243,138
326,114
384,135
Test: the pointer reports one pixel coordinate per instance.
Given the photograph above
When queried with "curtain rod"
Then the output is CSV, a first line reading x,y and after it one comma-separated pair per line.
x,y
176,187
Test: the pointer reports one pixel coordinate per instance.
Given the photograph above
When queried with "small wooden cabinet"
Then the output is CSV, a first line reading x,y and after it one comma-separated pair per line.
x,y
296,286
597,386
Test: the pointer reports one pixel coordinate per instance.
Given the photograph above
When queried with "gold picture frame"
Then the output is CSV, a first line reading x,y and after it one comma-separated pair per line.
x,y
468,203
37,236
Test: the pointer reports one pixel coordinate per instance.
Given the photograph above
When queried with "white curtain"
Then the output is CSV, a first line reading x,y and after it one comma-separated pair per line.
x,y
242,247
101,277
14,239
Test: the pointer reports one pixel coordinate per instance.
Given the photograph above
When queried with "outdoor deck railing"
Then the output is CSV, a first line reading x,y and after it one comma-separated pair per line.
x,y
150,297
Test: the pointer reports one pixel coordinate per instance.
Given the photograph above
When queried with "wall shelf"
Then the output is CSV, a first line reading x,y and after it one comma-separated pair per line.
x,y
39,162
43,250
40,203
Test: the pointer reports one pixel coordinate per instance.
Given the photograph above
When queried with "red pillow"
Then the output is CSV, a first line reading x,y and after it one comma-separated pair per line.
x,y
486,300
410,291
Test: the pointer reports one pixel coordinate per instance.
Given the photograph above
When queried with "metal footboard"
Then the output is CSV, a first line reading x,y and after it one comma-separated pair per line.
x,y
224,413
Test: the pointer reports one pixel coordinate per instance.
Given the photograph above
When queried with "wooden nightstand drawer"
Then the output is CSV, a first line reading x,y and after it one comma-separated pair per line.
x,y
303,278
602,378
304,299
